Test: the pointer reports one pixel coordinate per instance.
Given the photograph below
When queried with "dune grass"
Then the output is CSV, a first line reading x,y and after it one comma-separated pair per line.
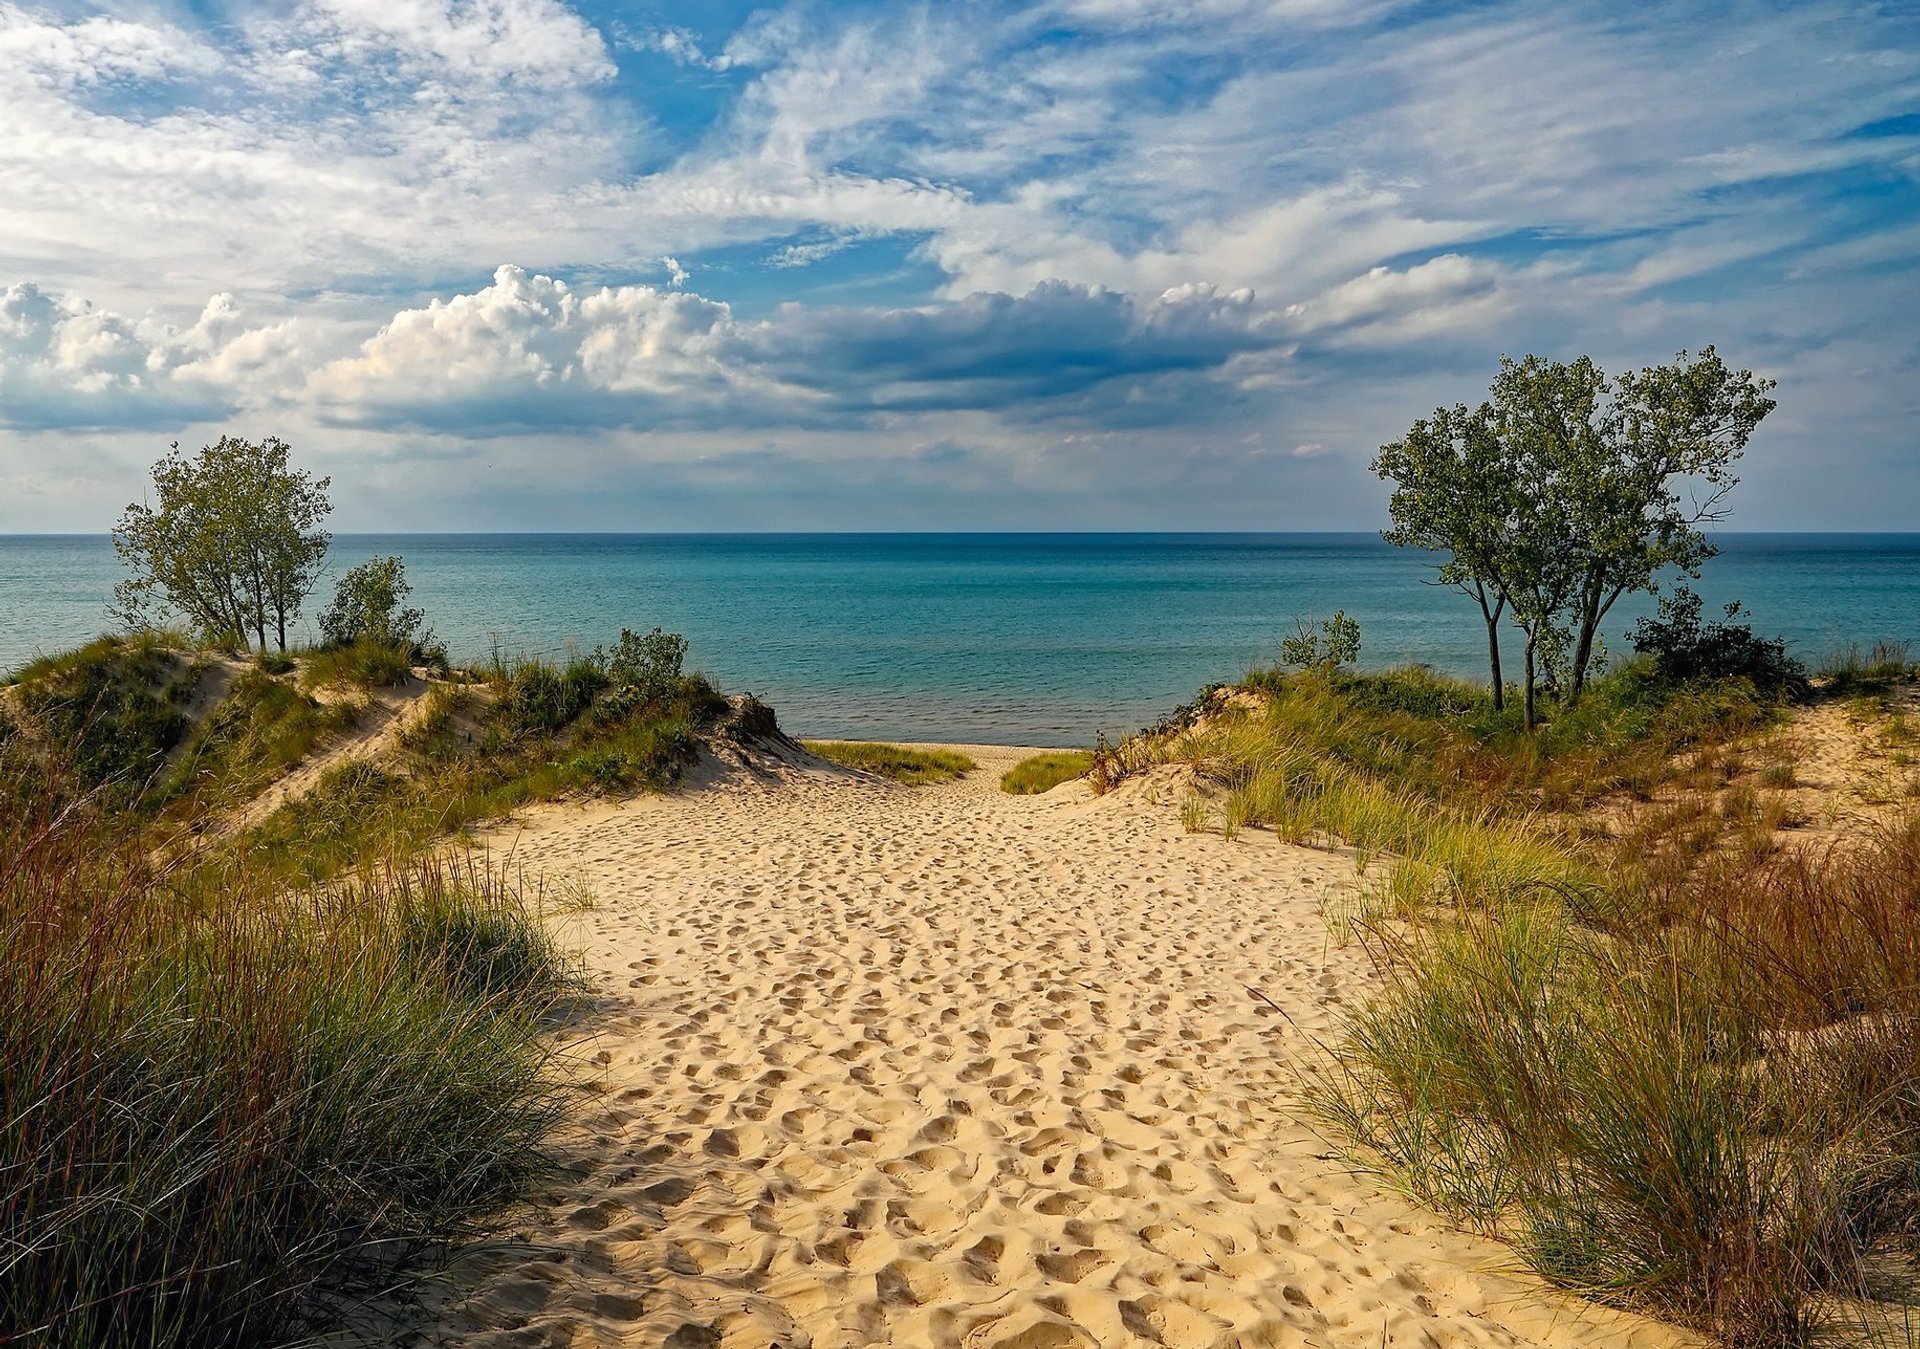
x,y
1674,1064
1043,772
217,1095
914,767
531,732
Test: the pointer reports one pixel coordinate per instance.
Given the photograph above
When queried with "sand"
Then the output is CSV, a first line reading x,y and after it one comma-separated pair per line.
x,y
877,1065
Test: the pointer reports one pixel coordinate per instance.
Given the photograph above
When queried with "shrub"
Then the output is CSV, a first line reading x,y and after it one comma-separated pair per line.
x,y
1335,642
1043,772
369,607
1685,650
642,670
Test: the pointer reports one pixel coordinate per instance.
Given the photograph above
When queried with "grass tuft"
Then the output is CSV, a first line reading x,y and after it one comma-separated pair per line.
x,y
914,767
1043,772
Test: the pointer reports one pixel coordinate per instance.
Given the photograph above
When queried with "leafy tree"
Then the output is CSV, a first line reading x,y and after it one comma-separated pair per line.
x,y
1629,470
369,603
1566,490
1454,495
233,542
1334,643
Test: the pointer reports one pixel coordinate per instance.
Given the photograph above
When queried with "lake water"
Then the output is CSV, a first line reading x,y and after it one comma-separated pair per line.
x,y
996,638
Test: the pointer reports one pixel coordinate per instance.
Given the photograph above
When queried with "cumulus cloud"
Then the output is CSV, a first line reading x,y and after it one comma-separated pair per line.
x,y
529,349
66,363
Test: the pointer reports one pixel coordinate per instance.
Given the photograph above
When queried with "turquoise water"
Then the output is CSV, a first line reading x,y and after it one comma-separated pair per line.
x,y
1015,639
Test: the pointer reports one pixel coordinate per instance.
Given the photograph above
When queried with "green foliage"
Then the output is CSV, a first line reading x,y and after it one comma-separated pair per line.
x,y
1684,650
1043,772
1564,492
539,698
642,670
215,1095
914,767
111,710
367,663
1336,642
233,545
1853,669
369,607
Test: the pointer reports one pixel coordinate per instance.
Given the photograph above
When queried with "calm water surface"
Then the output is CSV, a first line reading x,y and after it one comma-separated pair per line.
x,y
998,638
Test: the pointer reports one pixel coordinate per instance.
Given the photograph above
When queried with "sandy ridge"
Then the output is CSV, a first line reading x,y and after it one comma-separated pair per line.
x,y
939,1066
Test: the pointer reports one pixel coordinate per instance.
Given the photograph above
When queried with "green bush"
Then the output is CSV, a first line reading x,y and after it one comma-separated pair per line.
x,y
1684,650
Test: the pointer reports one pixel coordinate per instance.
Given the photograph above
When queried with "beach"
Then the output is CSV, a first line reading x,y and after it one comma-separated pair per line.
x,y
869,1064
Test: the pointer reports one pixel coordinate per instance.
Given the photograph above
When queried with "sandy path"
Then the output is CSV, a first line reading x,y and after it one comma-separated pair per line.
x,y
941,1066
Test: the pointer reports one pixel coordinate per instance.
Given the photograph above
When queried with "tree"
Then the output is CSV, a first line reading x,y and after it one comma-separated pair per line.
x,y
1650,465
1567,490
233,543
368,603
1454,495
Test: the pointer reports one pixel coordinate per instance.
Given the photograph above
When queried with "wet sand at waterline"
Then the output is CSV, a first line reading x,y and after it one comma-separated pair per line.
x,y
880,1065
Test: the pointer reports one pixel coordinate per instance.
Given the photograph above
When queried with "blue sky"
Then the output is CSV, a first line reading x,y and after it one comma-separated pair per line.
x,y
507,264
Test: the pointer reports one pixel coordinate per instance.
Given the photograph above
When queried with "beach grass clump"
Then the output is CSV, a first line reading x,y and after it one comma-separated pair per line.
x,y
114,708
260,728
217,1095
1043,772
1712,1119
897,763
367,662
1852,667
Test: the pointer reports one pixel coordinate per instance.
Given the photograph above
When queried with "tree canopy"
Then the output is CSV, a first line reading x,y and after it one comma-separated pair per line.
x,y
231,543
1566,490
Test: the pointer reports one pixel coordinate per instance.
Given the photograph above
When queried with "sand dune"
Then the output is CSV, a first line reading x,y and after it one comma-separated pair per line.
x,y
939,1066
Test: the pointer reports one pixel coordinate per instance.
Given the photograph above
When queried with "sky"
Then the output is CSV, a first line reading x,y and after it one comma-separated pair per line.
x,y
1082,264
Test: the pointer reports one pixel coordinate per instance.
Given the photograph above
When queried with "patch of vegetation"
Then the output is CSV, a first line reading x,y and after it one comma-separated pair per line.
x,y
216,1095
1674,1065
1043,772
532,732
262,727
111,710
1854,669
368,663
914,767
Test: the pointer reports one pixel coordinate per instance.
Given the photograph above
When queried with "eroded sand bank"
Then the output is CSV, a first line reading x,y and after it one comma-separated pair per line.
x,y
938,1066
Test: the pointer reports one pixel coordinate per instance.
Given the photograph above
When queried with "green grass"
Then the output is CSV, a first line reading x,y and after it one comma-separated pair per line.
x,y
367,664
1043,772
532,733
914,767
112,709
262,727
1676,1068
216,1094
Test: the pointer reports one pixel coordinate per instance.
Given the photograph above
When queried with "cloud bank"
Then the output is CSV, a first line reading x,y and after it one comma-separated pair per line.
x,y
1193,256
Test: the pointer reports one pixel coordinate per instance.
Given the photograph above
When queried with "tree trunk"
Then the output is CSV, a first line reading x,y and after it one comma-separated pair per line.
x,y
1492,616
280,615
1530,719
1583,649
